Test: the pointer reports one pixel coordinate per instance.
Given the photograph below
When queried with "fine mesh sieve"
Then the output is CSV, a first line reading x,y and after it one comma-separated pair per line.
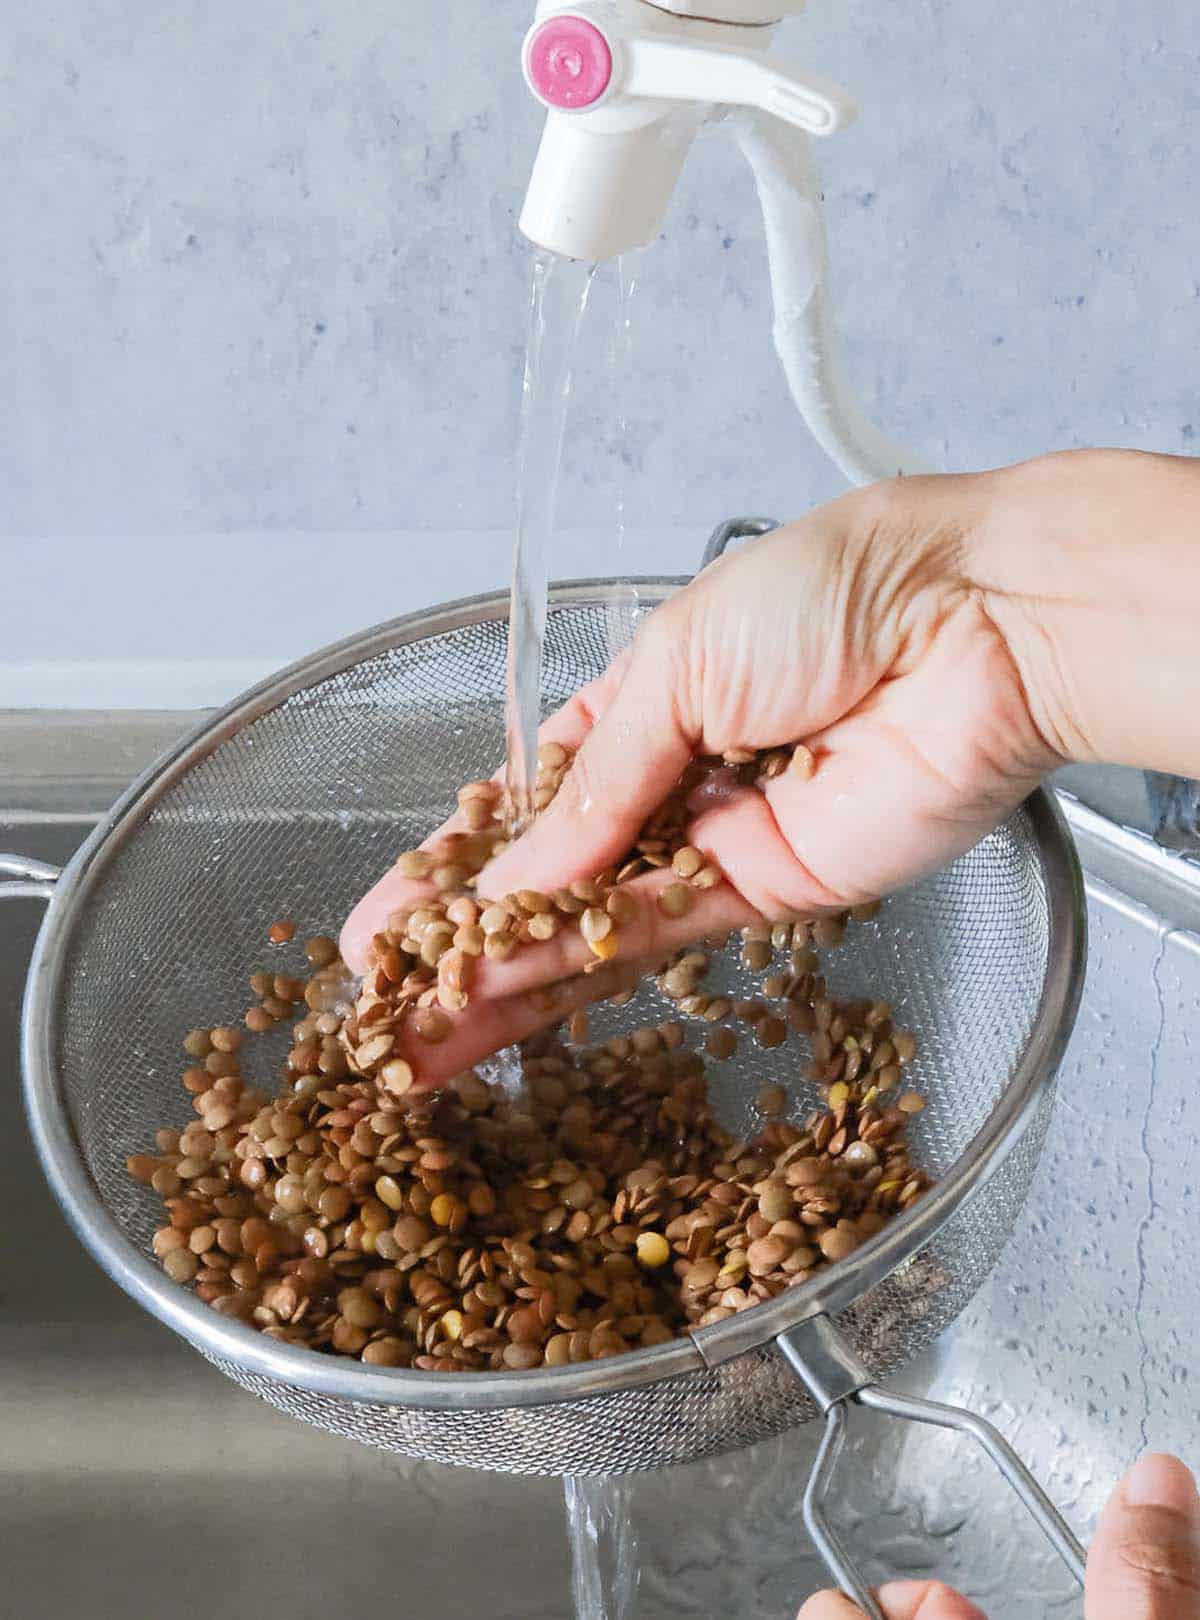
x,y
290,802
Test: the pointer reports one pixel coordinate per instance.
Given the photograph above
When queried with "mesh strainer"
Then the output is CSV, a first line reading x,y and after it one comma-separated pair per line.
x,y
289,802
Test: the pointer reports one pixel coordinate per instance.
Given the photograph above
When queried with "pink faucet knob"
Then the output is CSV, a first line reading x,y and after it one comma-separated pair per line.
x,y
569,62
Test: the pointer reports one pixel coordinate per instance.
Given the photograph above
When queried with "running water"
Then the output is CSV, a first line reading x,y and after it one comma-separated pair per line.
x,y
604,1561
623,612
604,1550
559,298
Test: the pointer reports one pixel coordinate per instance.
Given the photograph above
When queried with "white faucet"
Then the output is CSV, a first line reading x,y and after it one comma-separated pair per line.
x,y
627,85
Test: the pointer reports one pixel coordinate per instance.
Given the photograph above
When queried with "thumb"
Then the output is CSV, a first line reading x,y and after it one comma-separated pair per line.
x,y
1145,1559
625,767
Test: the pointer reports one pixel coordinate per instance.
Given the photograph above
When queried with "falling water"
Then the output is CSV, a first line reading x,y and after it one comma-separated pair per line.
x,y
604,1551
559,298
622,614
604,1561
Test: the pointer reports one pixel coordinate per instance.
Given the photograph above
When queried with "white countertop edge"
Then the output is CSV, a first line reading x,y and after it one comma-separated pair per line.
x,y
134,684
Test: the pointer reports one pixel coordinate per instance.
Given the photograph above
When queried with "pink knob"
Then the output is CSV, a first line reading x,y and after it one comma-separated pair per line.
x,y
569,62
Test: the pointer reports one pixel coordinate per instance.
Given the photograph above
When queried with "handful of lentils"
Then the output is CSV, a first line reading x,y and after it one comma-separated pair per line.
x,y
603,1206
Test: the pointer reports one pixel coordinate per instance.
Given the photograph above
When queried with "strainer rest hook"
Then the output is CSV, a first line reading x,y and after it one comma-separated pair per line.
x,y
835,1376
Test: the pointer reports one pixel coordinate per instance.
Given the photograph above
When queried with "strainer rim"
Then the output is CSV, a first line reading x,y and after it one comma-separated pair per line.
x,y
225,1339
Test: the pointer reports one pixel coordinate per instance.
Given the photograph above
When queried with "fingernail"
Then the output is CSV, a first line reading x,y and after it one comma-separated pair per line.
x,y
1159,1481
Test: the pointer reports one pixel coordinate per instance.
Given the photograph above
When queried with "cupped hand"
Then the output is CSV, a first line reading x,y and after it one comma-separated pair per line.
x,y
858,632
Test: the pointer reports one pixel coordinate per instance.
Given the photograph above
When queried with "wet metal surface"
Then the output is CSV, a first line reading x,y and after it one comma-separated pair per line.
x,y
136,1481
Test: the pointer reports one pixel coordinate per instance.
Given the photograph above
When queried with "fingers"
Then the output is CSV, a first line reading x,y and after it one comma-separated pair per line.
x,y
1145,1559
927,1600
569,726
743,837
542,985
915,774
900,1600
830,1606
627,764
393,892
491,1025
650,935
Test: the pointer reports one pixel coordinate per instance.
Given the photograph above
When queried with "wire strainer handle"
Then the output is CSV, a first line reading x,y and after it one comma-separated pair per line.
x,y
24,879
735,529
834,1375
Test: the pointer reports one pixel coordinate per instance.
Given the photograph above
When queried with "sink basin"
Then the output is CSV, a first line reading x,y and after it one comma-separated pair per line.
x,y
136,1480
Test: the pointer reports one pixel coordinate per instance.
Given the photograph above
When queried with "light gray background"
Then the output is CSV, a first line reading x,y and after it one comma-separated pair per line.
x,y
262,304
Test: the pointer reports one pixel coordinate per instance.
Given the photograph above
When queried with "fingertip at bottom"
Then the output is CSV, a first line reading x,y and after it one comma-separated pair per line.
x,y
830,1606
926,1600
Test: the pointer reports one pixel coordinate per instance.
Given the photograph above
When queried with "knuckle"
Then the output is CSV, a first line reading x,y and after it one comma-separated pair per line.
x,y
940,1599
773,902
663,638
797,890
1167,1565
658,649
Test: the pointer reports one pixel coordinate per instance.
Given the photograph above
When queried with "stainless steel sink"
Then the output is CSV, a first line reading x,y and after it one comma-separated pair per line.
x,y
136,1481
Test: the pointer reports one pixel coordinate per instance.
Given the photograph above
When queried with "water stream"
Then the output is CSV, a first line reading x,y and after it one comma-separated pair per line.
x,y
604,1557
559,297
622,614
604,1549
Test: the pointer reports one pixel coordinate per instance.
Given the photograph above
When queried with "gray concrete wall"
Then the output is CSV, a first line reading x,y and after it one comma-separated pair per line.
x,y
260,279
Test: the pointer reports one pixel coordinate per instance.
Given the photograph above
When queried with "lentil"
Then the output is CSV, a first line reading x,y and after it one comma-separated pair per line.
x,y
803,762
720,1044
602,1208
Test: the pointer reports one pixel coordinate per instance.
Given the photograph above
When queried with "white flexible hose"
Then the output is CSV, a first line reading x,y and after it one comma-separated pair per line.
x,y
805,339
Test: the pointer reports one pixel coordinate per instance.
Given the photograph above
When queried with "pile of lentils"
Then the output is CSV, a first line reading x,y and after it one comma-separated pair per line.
x,y
598,1207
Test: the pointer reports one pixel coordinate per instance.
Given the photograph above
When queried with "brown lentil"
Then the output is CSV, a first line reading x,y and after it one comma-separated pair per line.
x,y
605,1208
770,1031
720,1044
772,1099
905,1044
803,762
686,862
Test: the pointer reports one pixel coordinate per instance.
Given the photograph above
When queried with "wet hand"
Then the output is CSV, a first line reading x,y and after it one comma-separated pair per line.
x,y
858,632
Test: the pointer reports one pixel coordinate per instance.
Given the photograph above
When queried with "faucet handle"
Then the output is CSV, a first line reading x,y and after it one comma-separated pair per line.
x,y
683,70
627,86
576,60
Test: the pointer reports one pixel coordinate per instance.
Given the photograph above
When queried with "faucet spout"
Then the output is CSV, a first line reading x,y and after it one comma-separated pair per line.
x,y
627,85
596,193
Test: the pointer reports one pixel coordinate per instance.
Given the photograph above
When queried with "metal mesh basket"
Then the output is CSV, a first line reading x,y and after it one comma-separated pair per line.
x,y
290,803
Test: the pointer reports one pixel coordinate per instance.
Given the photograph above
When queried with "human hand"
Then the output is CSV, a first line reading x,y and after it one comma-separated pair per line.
x,y
855,631
900,1600
921,640
1144,1563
